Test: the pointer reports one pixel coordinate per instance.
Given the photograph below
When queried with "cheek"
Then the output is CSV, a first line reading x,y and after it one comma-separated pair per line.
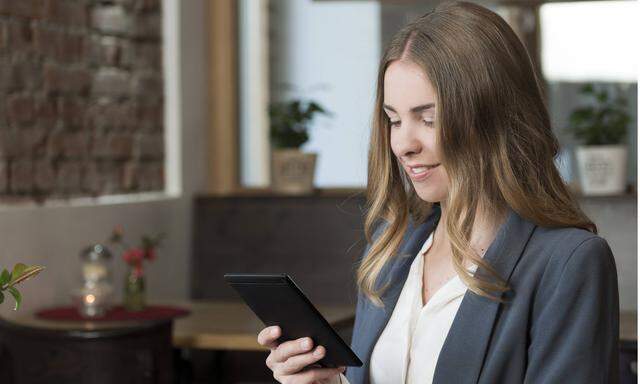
x,y
393,144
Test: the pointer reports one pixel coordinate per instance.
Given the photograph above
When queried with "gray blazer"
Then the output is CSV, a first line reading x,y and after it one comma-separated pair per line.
x,y
560,324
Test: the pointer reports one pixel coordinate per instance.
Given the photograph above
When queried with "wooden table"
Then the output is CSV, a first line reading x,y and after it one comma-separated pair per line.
x,y
629,325
39,351
218,325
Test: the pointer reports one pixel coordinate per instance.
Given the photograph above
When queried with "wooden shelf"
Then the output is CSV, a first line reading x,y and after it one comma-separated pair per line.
x,y
268,192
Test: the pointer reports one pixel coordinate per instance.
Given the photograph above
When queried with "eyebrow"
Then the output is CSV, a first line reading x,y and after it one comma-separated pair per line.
x,y
416,109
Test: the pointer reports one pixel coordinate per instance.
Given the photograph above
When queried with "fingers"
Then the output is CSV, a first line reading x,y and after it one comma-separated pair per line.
x,y
268,336
291,348
297,362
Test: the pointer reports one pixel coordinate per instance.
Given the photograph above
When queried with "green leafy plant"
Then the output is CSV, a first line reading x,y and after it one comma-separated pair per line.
x,y
9,280
602,122
289,122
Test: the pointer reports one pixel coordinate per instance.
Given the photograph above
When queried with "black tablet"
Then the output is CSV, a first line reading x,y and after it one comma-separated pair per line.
x,y
277,300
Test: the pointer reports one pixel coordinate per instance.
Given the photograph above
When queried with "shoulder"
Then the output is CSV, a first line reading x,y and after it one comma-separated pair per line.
x,y
562,250
569,262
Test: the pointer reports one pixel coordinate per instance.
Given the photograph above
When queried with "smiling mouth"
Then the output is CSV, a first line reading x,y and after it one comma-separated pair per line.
x,y
419,170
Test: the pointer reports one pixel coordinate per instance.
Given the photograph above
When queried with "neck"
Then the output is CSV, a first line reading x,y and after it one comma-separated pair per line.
x,y
484,230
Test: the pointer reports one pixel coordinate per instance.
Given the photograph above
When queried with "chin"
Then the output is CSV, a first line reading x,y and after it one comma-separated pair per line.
x,y
429,195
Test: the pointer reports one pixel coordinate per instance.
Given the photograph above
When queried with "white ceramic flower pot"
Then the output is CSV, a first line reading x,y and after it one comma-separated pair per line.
x,y
292,171
602,169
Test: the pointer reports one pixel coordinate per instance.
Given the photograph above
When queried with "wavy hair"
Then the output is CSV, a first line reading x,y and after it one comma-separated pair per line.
x,y
495,136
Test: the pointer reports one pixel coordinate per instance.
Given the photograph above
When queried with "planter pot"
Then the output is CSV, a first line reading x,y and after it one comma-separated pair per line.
x,y
292,171
602,169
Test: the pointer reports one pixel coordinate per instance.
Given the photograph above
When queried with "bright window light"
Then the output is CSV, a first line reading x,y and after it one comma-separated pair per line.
x,y
590,41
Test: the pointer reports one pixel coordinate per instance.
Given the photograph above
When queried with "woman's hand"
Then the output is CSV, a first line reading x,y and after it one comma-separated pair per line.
x,y
287,360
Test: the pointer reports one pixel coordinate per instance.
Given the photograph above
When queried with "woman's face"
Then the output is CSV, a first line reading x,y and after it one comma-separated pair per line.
x,y
409,101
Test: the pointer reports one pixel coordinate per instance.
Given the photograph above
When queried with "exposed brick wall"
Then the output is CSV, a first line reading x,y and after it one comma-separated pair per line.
x,y
81,104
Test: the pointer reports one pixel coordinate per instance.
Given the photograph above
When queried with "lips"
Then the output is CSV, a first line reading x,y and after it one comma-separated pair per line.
x,y
421,172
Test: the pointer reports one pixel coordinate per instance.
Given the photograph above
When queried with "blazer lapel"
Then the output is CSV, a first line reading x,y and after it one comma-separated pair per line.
x,y
395,273
462,355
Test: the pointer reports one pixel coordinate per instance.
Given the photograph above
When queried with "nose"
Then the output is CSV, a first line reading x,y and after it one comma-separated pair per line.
x,y
407,143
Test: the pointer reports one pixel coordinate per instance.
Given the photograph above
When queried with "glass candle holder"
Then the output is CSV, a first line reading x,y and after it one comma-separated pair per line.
x,y
93,298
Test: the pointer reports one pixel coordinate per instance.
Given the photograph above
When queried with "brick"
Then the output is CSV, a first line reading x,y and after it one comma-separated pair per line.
x,y
30,9
21,143
149,146
71,111
111,20
112,115
68,13
143,176
112,146
102,178
4,177
31,141
140,5
69,177
62,143
8,139
7,80
105,50
19,35
25,75
148,5
146,26
55,143
76,145
150,116
4,36
58,79
44,175
146,55
46,112
147,84
57,44
21,179
111,82
20,110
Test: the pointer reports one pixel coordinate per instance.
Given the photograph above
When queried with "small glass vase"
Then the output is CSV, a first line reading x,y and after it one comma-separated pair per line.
x,y
134,291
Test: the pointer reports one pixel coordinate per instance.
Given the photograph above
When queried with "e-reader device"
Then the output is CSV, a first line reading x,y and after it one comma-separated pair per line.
x,y
277,300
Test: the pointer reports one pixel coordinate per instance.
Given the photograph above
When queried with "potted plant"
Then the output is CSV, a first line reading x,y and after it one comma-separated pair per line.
x,y
9,281
602,128
292,171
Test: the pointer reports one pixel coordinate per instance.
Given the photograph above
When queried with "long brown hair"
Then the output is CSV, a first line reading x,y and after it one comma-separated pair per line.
x,y
495,136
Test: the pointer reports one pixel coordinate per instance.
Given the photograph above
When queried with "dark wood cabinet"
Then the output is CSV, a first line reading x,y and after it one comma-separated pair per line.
x,y
129,354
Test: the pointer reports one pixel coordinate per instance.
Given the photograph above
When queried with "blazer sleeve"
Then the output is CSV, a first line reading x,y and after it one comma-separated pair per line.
x,y
574,329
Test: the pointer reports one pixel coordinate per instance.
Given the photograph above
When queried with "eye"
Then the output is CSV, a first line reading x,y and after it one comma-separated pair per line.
x,y
428,123
393,124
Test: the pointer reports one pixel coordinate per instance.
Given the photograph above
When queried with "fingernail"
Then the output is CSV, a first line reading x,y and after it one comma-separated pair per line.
x,y
317,352
305,343
273,331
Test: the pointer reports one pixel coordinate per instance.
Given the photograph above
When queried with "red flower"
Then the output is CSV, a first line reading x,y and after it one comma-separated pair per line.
x,y
133,256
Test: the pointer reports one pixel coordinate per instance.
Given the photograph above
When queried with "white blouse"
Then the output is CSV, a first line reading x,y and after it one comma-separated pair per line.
x,y
408,348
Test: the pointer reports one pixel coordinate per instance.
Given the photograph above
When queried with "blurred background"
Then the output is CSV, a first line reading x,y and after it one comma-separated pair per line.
x,y
235,133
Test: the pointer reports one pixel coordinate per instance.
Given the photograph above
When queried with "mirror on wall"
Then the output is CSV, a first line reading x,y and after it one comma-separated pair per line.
x,y
328,52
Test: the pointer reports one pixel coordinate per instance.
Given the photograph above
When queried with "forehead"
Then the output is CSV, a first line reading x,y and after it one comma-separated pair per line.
x,y
406,85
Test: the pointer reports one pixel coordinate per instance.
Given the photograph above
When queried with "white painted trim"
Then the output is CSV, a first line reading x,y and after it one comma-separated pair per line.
x,y
172,95
253,16
132,198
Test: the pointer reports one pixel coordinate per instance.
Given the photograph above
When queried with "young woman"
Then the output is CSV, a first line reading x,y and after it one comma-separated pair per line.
x,y
480,266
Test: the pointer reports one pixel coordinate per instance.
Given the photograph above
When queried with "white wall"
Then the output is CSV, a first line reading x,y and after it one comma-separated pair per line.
x,y
330,51
53,236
